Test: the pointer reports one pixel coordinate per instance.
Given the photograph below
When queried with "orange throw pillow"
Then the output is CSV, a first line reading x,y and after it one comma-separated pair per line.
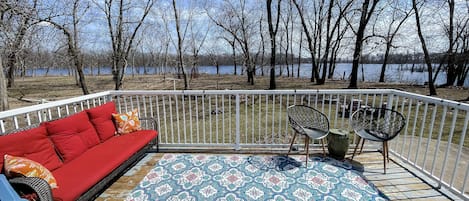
x,y
127,122
15,166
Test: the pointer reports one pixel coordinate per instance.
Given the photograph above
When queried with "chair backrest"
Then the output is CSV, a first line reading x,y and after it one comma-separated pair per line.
x,y
302,116
382,123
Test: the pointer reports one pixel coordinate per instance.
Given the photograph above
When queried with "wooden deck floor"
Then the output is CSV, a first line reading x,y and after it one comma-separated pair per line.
x,y
398,184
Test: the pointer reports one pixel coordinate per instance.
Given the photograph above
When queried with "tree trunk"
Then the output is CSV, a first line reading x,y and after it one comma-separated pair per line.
x,y
452,71
272,34
385,61
299,55
180,56
233,49
3,89
364,18
314,70
425,50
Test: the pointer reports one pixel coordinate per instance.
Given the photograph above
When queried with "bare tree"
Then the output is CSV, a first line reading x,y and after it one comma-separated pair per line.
x,y
71,31
179,44
424,48
455,26
123,25
323,33
399,14
273,34
236,22
232,43
17,17
198,35
3,89
309,38
366,12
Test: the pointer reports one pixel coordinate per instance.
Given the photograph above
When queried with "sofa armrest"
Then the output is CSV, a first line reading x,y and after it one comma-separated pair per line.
x,y
152,124
38,185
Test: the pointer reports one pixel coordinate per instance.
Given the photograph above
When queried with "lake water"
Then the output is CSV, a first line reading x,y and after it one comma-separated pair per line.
x,y
394,72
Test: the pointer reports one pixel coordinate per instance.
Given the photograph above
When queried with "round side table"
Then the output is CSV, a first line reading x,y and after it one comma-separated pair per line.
x,y
337,143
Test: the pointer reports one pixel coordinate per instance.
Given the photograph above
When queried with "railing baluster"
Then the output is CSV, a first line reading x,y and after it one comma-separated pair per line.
x,y
406,126
416,117
273,117
237,141
461,145
252,119
176,110
440,133
2,126
449,144
144,100
217,113
266,115
28,119
259,116
210,118
230,119
430,133
158,116
280,96
203,119
197,118
245,101
223,118
15,122
164,119
184,118
190,119
422,128
286,119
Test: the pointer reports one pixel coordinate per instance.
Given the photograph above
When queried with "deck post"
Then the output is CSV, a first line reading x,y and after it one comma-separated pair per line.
x,y
237,142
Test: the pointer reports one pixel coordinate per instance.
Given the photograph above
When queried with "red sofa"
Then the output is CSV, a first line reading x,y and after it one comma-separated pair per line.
x,y
82,151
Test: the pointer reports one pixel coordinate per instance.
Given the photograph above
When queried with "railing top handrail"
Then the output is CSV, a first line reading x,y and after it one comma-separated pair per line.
x,y
432,100
234,92
32,108
429,99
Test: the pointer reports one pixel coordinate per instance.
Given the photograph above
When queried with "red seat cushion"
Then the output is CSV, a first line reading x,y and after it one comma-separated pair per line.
x,y
72,135
77,176
101,118
32,144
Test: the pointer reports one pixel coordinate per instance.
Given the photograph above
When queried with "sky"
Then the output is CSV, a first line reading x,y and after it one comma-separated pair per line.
x,y
160,27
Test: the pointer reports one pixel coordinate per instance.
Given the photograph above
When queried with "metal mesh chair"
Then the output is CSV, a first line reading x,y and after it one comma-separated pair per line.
x,y
377,124
309,122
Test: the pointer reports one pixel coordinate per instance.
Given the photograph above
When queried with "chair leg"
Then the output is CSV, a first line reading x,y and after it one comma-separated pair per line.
x,y
307,149
387,151
384,155
292,141
361,148
355,150
323,147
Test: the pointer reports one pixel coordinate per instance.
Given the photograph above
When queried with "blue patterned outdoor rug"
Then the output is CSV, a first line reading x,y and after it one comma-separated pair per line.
x,y
243,177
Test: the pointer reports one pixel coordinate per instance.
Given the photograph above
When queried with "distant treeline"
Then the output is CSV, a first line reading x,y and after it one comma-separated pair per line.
x,y
60,60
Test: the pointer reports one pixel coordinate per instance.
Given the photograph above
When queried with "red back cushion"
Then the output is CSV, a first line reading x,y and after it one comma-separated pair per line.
x,y
101,118
72,135
32,144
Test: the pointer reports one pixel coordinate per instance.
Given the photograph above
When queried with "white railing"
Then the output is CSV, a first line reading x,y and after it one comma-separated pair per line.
x,y
433,140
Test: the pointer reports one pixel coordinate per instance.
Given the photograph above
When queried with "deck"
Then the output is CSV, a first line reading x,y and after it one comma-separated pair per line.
x,y
433,144
398,184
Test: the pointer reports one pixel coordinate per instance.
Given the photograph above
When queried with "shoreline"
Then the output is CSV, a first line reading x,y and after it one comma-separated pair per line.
x,y
53,88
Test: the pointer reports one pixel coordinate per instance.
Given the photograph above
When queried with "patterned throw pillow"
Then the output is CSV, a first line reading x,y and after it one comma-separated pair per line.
x,y
19,166
127,122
